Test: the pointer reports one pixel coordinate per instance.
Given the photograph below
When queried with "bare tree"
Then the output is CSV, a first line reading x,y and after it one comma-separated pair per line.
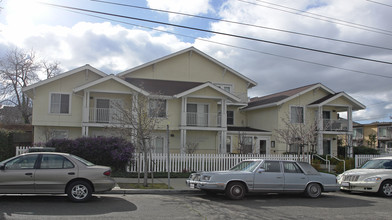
x,y
297,135
244,143
191,147
18,69
138,120
51,68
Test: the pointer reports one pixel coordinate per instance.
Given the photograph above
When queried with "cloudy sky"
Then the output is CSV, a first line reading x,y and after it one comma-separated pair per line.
x,y
345,45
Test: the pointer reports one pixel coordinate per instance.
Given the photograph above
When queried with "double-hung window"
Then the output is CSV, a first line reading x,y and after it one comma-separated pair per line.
x,y
297,114
59,103
157,108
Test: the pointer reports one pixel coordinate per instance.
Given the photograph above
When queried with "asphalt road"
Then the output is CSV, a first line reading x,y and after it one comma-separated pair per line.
x,y
272,206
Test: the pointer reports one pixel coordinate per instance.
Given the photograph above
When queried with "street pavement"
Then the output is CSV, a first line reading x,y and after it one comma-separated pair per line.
x,y
178,185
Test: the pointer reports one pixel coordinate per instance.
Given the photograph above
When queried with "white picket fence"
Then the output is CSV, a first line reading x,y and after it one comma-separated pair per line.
x,y
199,162
21,150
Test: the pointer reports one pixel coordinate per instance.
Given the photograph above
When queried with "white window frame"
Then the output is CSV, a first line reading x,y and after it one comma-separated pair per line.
x,y
69,103
223,86
303,114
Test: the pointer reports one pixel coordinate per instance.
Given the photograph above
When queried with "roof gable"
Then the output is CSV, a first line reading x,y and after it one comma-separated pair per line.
x,y
86,67
190,49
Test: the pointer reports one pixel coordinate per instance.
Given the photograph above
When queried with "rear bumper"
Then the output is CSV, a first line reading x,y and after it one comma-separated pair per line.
x,y
104,185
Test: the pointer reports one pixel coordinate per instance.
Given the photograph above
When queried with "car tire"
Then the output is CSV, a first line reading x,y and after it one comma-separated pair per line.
x,y
79,191
235,191
385,189
313,190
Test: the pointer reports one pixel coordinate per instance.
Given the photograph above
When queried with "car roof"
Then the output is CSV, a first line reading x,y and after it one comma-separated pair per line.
x,y
42,152
382,158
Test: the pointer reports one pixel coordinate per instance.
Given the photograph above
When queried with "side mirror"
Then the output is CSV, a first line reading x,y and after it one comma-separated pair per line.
x,y
261,170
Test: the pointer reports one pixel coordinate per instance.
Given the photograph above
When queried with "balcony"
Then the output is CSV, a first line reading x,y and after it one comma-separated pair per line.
x,y
335,125
203,119
103,115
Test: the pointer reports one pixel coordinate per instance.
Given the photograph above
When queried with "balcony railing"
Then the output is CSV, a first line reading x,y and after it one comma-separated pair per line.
x,y
103,115
203,119
335,125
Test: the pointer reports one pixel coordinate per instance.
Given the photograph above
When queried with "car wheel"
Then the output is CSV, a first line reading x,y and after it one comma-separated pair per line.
x,y
313,190
386,189
235,191
79,191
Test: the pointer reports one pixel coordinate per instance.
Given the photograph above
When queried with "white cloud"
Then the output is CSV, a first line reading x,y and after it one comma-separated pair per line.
x,y
194,7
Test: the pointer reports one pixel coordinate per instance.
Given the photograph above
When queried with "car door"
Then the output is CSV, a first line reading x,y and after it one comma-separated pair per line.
x,y
53,173
18,175
294,178
269,177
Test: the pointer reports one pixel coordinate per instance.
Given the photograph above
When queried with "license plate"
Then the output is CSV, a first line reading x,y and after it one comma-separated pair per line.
x,y
192,186
345,184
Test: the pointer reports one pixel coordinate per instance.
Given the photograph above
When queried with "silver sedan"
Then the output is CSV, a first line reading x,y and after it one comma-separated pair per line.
x,y
54,173
265,176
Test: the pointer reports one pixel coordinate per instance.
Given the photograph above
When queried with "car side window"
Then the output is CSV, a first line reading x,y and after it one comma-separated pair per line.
x,y
272,166
55,162
291,167
23,162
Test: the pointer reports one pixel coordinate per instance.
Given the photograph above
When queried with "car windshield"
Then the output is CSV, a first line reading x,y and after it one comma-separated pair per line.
x,y
248,166
378,164
85,162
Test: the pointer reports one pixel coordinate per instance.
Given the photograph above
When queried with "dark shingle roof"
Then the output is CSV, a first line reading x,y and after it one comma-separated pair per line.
x,y
163,87
276,97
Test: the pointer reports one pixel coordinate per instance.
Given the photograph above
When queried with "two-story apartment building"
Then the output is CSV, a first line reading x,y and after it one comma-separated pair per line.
x,y
313,106
205,103
202,98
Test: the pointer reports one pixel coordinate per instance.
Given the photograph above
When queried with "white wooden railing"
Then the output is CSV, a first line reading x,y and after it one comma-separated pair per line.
x,y
200,162
361,159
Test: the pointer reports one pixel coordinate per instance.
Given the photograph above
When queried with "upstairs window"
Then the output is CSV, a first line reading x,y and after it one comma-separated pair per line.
x,y
297,114
230,117
59,103
157,108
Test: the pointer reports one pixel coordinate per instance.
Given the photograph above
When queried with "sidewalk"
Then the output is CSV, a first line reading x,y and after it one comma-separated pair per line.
x,y
178,184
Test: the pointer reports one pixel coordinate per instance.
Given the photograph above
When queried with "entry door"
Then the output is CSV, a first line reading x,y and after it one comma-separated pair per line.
x,y
263,146
326,147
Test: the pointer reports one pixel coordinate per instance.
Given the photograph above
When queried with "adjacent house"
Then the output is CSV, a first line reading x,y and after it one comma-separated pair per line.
x,y
376,135
206,105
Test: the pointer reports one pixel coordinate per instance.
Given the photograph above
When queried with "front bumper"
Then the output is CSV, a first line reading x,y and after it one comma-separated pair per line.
x,y
360,186
205,185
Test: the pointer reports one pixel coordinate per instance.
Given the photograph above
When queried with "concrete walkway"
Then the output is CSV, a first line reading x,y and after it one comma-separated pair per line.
x,y
178,184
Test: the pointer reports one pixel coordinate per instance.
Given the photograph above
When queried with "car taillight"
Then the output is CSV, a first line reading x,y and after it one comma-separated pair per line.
x,y
107,173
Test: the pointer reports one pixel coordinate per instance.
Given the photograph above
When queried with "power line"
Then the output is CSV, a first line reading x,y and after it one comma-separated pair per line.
x,y
237,47
241,23
380,3
221,33
321,17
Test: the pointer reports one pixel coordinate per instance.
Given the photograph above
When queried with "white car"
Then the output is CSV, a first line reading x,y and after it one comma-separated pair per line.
x,y
374,176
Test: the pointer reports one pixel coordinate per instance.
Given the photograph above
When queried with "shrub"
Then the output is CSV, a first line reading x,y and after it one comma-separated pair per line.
x,y
7,149
350,164
364,150
109,151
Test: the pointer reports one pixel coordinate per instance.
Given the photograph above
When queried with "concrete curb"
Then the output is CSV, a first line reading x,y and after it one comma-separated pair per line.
x,y
119,191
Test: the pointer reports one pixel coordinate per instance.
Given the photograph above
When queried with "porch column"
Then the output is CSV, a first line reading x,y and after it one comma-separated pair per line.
x,y
350,119
183,141
85,113
134,107
223,114
223,138
320,122
184,102
320,149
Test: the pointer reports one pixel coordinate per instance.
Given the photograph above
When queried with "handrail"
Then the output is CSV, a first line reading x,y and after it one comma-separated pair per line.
x,y
327,162
344,162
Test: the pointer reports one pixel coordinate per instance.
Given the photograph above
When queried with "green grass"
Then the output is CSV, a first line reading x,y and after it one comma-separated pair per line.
x,y
140,186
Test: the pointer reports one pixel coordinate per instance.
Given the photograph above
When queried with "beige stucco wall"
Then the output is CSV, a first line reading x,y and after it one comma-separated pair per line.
x,y
40,132
41,100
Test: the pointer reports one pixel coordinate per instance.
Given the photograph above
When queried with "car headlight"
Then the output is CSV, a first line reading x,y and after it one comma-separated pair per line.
x,y
205,178
372,179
